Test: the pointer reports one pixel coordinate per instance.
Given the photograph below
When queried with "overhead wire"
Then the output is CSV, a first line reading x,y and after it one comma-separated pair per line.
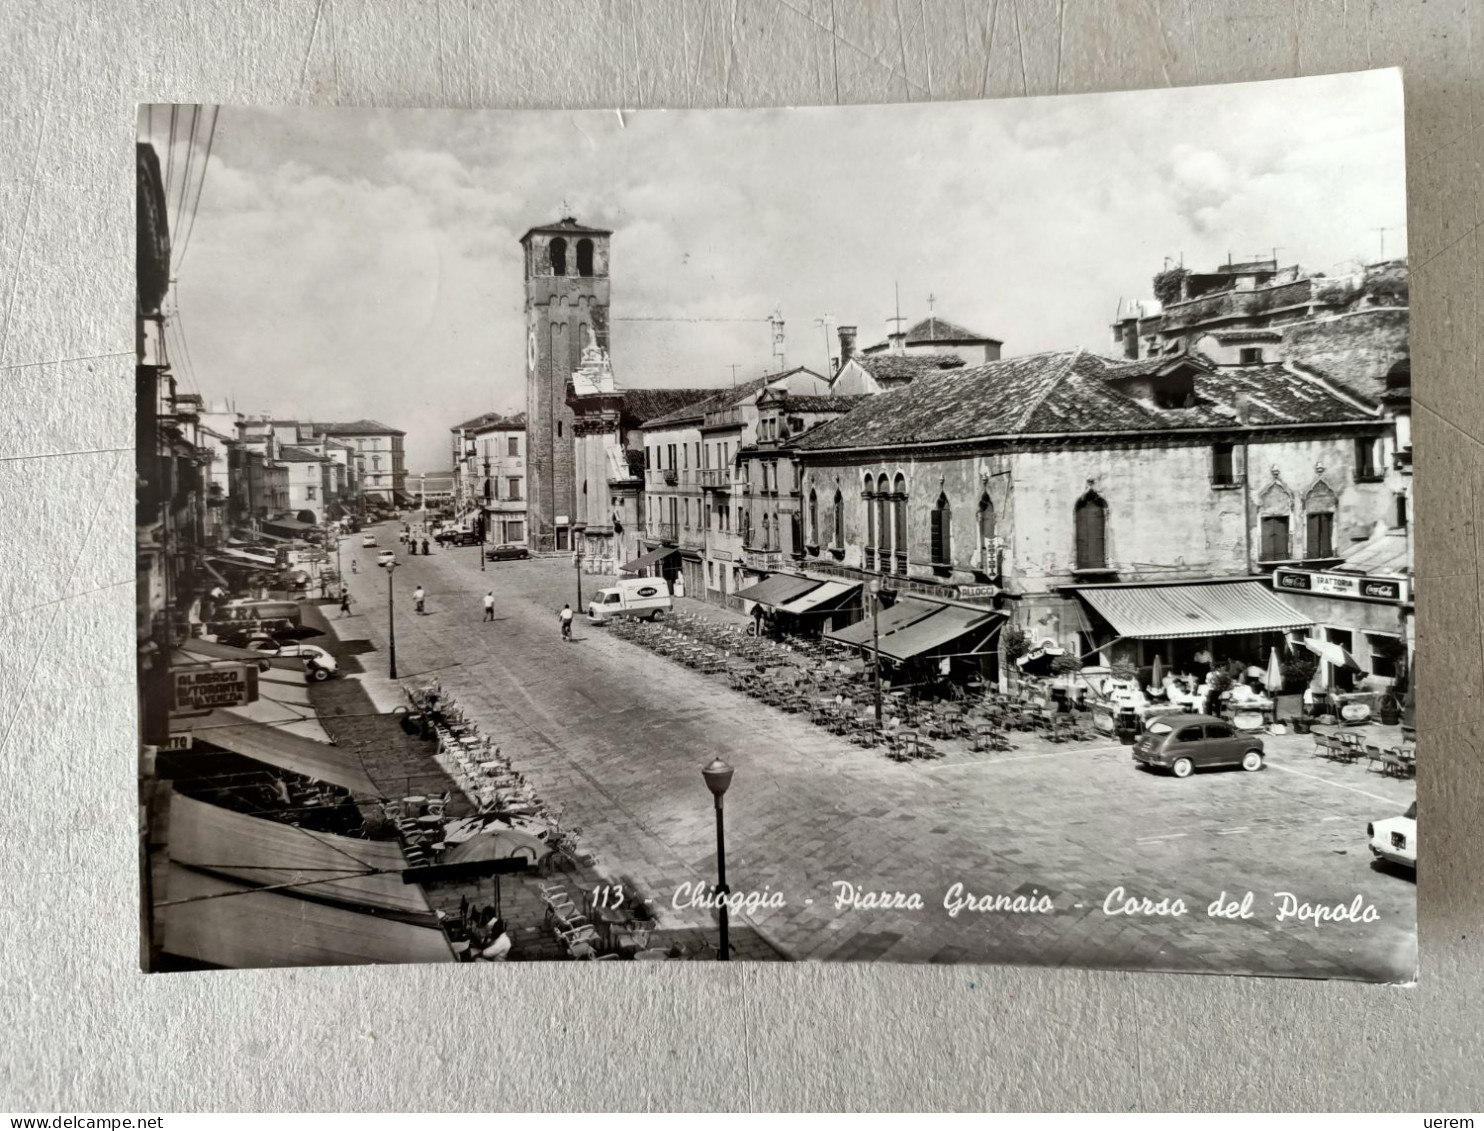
x,y
185,177
200,186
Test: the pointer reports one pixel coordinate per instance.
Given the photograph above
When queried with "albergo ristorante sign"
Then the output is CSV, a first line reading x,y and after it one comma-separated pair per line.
x,y
1393,590
200,689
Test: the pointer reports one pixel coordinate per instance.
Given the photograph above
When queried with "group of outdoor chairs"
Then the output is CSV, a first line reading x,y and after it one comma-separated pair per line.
x,y
1343,746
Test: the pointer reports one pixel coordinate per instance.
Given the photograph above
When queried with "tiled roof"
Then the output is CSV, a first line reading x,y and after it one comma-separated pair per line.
x,y
717,399
1070,393
299,455
906,366
566,224
818,404
640,405
492,422
356,428
935,329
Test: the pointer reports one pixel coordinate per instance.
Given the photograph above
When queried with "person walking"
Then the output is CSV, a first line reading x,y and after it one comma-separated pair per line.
x,y
489,605
418,595
425,547
344,601
565,616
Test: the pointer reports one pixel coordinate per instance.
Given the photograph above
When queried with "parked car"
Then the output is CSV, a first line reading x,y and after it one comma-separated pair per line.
x,y
1183,744
457,536
645,597
385,558
1395,838
507,552
368,541
318,664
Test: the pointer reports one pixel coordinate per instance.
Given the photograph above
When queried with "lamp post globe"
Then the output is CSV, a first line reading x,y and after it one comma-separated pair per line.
x,y
718,776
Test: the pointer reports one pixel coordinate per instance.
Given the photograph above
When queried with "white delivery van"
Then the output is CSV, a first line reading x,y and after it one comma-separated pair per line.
x,y
645,597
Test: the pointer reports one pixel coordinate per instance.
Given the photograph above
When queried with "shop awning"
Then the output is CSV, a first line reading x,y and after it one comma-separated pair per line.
x,y
947,629
290,525
211,570
1194,609
264,852
224,923
246,557
1384,554
829,594
898,616
644,561
199,650
778,590
335,765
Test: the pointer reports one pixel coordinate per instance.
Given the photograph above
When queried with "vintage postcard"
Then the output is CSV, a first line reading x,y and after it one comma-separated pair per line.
x,y
970,533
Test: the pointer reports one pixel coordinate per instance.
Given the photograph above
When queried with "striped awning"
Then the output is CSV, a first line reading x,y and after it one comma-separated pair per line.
x,y
1194,609
276,746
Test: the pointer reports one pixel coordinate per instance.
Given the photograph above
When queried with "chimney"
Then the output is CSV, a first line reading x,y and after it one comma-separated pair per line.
x,y
847,344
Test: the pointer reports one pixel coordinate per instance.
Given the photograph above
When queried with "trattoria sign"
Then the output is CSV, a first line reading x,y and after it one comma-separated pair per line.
x,y
205,689
1390,589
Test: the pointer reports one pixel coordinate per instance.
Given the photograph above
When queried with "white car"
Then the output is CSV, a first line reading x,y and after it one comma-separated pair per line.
x,y
368,541
1395,838
318,664
385,558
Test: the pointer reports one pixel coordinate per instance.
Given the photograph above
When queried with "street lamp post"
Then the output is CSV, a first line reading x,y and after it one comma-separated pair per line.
x,y
876,648
484,513
577,564
391,622
718,776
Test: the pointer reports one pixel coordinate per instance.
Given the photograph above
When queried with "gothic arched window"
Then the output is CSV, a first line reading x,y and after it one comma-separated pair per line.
x,y
1320,505
942,540
883,520
814,538
1275,506
1092,532
559,256
585,258
839,521
899,522
869,494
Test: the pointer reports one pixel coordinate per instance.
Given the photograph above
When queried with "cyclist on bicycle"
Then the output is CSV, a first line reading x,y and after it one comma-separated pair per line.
x,y
565,616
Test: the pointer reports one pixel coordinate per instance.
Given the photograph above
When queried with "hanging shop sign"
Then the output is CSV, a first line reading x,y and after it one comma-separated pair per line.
x,y
208,688
975,592
1393,590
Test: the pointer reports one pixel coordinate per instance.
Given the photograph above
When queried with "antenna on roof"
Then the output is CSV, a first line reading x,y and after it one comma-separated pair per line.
x,y
898,320
734,369
1382,233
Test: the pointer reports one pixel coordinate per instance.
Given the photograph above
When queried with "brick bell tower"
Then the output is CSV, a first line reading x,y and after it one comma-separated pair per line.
x,y
566,308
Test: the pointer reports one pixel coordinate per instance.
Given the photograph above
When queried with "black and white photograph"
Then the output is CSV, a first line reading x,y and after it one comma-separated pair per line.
x,y
951,532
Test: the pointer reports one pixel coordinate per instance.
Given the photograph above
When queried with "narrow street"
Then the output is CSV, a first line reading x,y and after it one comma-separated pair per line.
x,y
616,737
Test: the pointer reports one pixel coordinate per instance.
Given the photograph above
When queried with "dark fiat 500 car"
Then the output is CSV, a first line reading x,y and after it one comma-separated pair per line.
x,y
507,552
1183,744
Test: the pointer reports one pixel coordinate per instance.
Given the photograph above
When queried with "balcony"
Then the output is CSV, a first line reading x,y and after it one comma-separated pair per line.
x,y
671,477
669,533
716,478
765,561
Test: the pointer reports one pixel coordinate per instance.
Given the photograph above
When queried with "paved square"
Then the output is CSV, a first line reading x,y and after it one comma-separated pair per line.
x,y
616,736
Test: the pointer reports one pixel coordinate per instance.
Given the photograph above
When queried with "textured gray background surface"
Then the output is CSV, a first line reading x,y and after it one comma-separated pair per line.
x,y
82,1030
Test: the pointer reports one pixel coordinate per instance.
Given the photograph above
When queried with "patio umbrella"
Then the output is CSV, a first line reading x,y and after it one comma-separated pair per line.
x,y
498,844
1273,681
1332,653
1157,674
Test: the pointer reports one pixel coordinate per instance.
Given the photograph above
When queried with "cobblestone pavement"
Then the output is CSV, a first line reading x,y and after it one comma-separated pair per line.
x,y
617,736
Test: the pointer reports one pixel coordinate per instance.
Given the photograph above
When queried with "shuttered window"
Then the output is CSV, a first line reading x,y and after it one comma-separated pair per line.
x,y
941,530
1092,520
1274,538
1321,542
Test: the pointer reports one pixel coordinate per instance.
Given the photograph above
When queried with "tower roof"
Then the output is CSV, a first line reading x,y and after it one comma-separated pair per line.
x,y
567,225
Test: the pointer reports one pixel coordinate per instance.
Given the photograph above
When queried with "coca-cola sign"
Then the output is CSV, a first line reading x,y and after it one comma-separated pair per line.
x,y
1389,589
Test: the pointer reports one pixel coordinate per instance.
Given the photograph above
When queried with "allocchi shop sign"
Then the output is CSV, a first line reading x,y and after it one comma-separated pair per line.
x,y
1392,590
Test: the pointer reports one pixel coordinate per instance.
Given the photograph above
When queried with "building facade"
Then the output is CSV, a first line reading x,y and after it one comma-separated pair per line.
x,y
567,296
381,464
491,474
1094,499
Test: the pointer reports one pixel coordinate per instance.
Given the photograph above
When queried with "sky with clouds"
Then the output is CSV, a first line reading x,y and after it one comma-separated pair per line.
x,y
357,263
